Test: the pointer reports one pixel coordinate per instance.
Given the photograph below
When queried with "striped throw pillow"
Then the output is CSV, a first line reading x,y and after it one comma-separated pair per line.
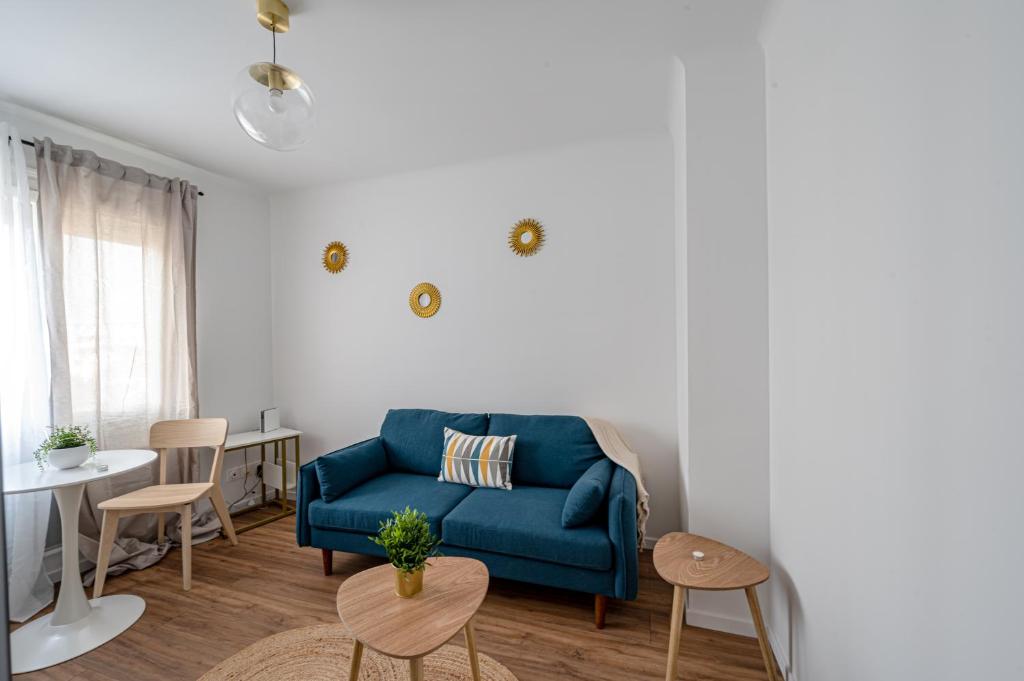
x,y
477,460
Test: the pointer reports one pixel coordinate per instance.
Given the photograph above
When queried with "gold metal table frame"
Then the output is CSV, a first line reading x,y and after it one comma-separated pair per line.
x,y
279,439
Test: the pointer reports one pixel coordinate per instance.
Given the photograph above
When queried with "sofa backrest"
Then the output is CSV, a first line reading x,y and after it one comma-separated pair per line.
x,y
414,438
550,451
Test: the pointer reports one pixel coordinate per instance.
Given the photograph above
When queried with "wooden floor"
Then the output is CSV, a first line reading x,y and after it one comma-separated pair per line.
x,y
267,585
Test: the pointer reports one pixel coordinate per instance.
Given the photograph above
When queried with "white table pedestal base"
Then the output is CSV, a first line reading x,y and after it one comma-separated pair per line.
x,y
77,624
41,644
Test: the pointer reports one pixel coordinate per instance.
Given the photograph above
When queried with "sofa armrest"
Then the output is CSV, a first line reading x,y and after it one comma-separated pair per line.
x,y
372,462
622,532
309,491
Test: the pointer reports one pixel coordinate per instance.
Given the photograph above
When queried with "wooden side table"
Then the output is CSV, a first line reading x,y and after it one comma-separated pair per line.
x,y
723,568
411,628
274,471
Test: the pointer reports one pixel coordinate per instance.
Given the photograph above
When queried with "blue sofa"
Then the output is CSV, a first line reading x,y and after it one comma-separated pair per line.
x,y
517,533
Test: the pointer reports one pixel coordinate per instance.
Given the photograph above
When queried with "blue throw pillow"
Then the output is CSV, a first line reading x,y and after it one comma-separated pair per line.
x,y
587,494
344,469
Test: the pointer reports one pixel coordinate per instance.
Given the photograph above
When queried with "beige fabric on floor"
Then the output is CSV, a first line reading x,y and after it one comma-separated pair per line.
x,y
323,652
616,449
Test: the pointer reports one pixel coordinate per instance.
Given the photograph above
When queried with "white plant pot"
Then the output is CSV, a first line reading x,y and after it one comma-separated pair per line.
x,y
71,457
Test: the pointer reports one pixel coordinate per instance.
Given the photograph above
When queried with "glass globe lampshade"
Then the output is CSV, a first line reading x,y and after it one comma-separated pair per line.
x,y
273,105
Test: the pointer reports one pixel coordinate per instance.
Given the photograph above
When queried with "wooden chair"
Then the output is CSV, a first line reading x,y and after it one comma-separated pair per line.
x,y
164,498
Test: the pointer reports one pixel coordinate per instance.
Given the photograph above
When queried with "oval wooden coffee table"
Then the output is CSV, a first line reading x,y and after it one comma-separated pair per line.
x,y
411,628
722,568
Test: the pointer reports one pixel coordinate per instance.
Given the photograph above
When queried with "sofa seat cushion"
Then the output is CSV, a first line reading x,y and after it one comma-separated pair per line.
x,y
526,522
362,508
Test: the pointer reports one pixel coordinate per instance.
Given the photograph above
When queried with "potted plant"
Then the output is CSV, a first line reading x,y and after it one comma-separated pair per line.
x,y
408,542
66,447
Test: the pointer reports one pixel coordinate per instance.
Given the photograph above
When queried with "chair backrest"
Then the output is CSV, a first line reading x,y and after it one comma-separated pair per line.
x,y
185,433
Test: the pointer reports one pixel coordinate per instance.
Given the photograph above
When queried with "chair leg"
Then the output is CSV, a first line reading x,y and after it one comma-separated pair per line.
x,y
107,534
160,523
600,610
219,505
186,546
328,558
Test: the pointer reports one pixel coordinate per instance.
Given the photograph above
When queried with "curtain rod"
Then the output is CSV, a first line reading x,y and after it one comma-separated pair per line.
x,y
32,144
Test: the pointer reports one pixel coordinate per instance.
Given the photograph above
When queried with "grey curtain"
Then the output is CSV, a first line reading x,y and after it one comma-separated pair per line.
x,y
119,250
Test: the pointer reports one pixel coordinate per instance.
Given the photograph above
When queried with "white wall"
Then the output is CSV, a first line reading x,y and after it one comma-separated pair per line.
x,y
677,128
895,150
717,118
587,326
233,274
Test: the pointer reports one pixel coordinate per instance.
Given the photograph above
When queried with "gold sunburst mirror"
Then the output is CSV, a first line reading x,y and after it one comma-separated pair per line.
x,y
335,257
526,237
425,299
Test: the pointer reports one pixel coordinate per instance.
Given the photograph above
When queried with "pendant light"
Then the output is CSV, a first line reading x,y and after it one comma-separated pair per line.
x,y
272,103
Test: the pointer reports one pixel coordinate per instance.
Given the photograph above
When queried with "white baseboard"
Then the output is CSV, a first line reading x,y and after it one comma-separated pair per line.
x,y
741,627
710,620
781,656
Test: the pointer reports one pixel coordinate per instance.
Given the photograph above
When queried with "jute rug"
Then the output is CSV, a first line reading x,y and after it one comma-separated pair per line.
x,y
324,651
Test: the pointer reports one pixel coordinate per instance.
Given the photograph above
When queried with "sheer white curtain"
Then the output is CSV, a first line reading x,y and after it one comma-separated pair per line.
x,y
119,254
24,378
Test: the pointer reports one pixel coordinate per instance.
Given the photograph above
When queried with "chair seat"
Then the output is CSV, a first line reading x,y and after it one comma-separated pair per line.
x,y
157,496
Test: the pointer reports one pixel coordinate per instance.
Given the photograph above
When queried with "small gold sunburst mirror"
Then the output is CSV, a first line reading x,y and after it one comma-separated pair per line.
x,y
526,237
425,299
335,257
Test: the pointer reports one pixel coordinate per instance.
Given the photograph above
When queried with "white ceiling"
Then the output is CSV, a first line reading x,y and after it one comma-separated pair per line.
x,y
400,84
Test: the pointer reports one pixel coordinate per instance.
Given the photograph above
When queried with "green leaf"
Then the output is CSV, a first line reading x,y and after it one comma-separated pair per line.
x,y
407,540
64,437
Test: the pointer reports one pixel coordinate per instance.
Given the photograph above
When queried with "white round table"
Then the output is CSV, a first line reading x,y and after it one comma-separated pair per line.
x,y
77,624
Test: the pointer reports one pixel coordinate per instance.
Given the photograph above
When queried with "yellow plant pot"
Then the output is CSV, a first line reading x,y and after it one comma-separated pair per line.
x,y
408,584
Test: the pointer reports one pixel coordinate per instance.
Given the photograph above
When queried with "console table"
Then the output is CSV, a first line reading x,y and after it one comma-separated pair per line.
x,y
275,471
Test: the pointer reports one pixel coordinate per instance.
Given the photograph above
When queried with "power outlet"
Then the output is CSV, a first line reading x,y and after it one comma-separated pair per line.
x,y
238,472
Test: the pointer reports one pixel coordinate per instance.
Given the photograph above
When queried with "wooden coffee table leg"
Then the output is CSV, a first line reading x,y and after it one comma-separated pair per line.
x,y
762,635
474,662
678,605
357,658
416,669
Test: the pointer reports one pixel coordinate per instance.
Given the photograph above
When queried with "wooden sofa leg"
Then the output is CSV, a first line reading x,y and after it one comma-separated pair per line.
x,y
600,609
328,557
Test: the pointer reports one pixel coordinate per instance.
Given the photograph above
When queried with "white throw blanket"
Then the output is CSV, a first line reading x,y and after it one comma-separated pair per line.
x,y
616,449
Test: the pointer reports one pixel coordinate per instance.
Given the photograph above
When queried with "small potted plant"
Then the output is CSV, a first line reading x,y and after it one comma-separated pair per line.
x,y
66,447
407,539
